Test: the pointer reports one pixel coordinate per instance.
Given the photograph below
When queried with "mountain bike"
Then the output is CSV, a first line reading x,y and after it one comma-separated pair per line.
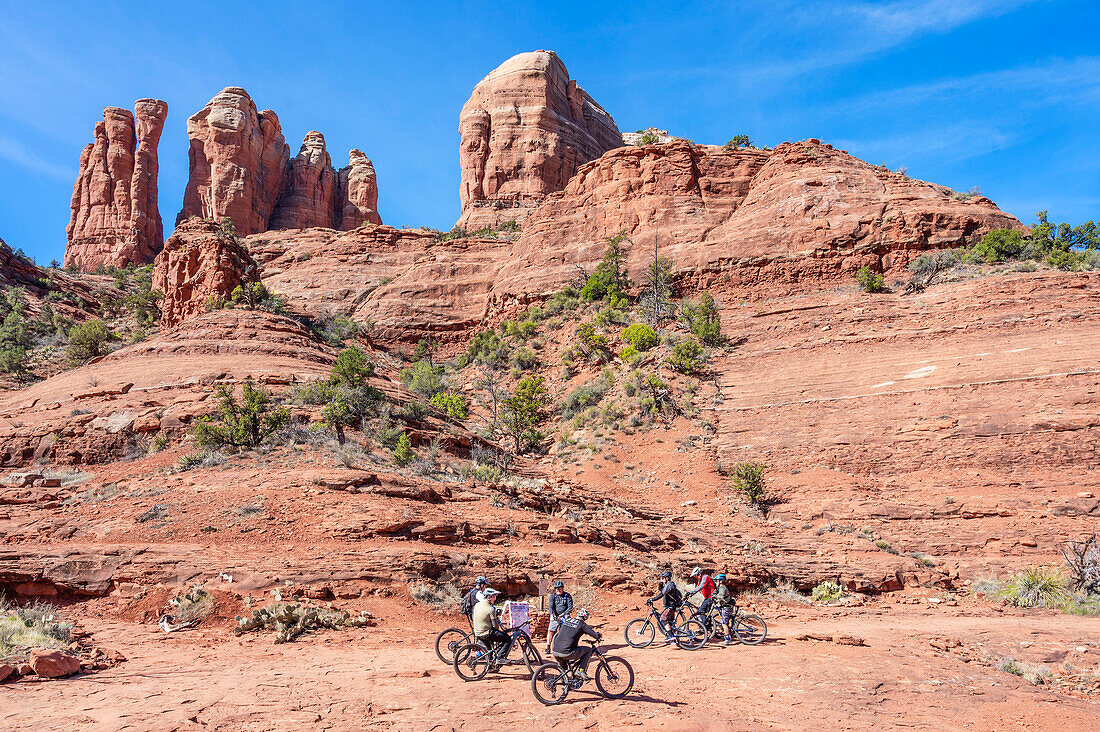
x,y
689,634
747,628
474,660
552,681
448,641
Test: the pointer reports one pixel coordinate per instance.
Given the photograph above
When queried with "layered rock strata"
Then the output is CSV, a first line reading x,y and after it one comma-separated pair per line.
x,y
115,220
240,168
802,212
199,263
525,130
238,161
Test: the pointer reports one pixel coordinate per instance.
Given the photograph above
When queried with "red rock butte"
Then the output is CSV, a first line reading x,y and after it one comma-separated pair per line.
x,y
240,168
115,219
525,131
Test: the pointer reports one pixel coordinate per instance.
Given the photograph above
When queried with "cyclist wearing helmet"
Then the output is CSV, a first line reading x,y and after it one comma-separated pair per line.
x,y
486,624
672,597
705,587
723,600
560,605
473,597
567,639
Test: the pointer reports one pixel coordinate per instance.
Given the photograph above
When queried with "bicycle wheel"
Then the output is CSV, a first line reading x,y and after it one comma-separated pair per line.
x,y
550,684
691,635
472,661
750,629
614,677
531,657
446,643
639,633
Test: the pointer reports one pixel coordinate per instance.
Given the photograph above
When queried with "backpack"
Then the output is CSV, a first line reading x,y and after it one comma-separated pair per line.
x,y
467,605
675,596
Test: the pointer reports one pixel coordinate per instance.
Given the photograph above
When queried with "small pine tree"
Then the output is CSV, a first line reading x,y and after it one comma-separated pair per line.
x,y
868,281
246,423
610,280
352,367
524,410
88,340
403,453
338,414
687,356
748,478
703,320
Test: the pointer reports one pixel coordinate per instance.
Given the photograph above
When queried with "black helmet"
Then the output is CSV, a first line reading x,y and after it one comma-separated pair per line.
x,y
559,584
665,574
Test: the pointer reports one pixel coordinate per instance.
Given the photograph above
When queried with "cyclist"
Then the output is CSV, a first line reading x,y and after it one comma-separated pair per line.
x,y
705,587
486,624
473,597
561,605
723,600
672,597
568,638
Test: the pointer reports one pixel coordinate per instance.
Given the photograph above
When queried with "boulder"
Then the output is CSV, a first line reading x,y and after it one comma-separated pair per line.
x,y
200,261
53,664
238,161
6,672
115,220
525,131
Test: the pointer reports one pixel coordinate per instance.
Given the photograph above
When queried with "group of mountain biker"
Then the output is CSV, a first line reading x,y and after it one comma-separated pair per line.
x,y
563,635
714,592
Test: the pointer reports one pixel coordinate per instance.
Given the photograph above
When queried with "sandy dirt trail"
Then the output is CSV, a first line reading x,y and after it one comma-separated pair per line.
x,y
388,678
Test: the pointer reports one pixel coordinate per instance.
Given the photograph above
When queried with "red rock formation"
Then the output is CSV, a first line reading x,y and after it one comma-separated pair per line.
x,y
525,130
315,194
358,193
802,211
238,161
115,219
198,263
309,190
404,282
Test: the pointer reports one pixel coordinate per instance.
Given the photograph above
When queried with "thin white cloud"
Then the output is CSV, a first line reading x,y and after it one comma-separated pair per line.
x,y
949,143
15,152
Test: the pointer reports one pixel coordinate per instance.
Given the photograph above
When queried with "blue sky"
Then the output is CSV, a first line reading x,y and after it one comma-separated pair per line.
x,y
1001,94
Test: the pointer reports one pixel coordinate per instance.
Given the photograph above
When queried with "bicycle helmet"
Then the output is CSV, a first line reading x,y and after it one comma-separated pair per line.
x,y
559,585
720,577
695,571
582,614
481,581
666,574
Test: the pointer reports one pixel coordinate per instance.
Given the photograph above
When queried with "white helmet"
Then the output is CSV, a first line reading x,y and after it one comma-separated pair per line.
x,y
696,571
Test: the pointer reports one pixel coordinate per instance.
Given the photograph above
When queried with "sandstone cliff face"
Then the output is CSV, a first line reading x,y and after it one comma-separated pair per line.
x,y
238,161
526,129
315,194
801,212
403,282
241,168
358,193
197,264
115,219
310,188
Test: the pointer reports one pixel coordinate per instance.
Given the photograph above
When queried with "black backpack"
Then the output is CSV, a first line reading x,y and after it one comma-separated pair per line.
x,y
467,605
675,596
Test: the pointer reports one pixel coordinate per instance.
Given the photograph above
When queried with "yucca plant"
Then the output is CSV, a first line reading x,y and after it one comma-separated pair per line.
x,y
1038,587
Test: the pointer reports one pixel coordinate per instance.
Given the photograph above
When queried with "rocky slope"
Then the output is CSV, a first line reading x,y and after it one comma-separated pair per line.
x,y
773,220
115,220
525,130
